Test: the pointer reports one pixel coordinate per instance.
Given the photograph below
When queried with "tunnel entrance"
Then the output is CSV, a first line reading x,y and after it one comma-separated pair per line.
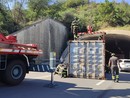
x,y
115,43
118,44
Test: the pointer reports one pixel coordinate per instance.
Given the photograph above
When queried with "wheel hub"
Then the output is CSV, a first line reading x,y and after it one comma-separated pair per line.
x,y
16,72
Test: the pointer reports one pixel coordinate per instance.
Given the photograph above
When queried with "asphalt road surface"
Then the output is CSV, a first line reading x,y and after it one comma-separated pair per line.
x,y
36,84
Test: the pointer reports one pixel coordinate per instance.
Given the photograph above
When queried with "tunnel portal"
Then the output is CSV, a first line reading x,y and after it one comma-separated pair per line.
x,y
118,44
114,43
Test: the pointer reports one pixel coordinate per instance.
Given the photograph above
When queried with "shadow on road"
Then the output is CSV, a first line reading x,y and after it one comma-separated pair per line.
x,y
35,88
123,76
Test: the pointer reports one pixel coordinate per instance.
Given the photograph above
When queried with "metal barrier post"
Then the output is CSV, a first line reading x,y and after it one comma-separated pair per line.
x,y
52,67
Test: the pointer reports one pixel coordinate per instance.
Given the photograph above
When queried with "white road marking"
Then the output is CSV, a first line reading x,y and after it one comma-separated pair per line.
x,y
99,83
41,77
71,93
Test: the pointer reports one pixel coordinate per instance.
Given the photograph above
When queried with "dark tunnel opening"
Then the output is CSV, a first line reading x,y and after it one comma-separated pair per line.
x,y
118,44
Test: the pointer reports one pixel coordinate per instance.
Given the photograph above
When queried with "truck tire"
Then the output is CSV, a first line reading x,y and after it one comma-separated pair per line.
x,y
15,72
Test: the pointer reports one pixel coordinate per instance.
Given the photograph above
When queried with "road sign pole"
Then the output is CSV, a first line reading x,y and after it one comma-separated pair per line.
x,y
52,67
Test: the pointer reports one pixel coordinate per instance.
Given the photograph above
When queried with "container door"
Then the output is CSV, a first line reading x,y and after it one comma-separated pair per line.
x,y
87,59
95,60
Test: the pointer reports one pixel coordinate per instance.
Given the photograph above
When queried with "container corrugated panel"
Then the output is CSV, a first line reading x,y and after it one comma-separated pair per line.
x,y
87,58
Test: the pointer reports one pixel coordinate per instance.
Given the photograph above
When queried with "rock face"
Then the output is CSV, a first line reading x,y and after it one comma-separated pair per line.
x,y
50,35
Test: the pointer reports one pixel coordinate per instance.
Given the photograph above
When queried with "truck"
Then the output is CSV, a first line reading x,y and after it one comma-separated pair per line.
x,y
16,59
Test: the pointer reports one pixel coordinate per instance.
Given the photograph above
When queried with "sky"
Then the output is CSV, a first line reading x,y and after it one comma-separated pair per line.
x,y
128,1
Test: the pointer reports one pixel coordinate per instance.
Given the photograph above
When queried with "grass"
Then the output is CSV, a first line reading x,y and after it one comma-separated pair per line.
x,y
126,27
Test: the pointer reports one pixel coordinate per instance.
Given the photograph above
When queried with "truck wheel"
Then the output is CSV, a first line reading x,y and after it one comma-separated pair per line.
x,y
15,72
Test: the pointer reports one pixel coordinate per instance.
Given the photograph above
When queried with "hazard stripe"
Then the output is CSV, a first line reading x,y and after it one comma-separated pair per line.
x,y
47,67
38,68
43,67
91,33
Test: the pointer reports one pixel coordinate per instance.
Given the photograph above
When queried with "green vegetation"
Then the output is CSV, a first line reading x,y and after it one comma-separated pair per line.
x,y
126,27
99,15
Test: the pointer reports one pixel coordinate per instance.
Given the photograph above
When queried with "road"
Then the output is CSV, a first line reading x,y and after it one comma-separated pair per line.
x,y
35,86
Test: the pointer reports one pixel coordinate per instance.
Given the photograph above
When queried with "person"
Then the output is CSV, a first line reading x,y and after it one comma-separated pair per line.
x,y
89,29
113,64
74,28
61,69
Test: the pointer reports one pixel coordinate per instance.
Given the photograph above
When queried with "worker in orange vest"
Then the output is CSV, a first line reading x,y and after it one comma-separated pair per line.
x,y
113,64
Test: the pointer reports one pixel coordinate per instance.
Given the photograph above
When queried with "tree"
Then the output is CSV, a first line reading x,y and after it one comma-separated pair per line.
x,y
75,3
18,14
38,6
7,24
89,12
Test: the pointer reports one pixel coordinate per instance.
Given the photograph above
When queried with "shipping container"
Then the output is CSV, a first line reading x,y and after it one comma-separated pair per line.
x,y
86,59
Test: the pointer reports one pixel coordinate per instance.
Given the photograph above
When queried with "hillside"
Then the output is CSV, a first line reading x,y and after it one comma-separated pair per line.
x,y
88,12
